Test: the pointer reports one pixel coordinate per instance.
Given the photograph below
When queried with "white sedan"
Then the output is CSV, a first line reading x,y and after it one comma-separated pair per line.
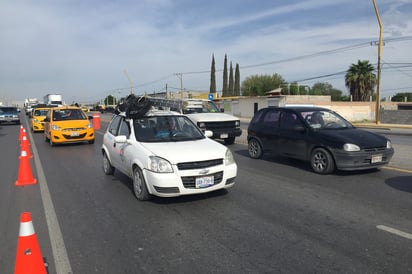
x,y
166,155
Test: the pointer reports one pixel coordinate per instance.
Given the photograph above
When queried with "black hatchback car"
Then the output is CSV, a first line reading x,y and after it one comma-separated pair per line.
x,y
317,135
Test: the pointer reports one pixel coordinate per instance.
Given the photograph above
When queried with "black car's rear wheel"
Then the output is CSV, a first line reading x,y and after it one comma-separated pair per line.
x,y
255,149
322,161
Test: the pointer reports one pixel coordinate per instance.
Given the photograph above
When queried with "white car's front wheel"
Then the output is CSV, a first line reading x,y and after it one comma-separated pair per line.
x,y
107,166
139,185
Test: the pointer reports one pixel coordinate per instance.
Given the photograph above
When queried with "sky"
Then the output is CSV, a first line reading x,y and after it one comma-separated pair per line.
x,y
88,49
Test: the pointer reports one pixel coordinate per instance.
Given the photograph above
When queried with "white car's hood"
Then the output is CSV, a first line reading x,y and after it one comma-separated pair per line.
x,y
211,117
187,151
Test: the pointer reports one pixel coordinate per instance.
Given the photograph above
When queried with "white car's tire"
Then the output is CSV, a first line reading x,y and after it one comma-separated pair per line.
x,y
107,166
139,185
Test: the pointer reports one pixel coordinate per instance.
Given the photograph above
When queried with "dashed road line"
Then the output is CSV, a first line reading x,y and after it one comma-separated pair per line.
x,y
395,231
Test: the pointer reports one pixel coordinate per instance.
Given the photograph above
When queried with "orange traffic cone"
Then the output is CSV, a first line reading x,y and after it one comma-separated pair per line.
x,y
25,176
28,257
21,132
25,146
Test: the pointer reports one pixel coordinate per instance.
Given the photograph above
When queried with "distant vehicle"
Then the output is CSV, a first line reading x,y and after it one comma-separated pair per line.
x,y
108,109
317,135
166,155
9,115
68,124
53,99
208,117
85,108
28,105
37,118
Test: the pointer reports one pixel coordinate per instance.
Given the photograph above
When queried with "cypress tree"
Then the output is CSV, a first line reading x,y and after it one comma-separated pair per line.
x,y
230,91
224,88
237,81
213,76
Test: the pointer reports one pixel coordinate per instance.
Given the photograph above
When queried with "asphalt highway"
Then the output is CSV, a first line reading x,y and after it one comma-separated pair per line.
x,y
280,217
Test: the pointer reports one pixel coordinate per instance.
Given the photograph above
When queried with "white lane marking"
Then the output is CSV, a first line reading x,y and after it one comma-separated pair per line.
x,y
61,259
395,231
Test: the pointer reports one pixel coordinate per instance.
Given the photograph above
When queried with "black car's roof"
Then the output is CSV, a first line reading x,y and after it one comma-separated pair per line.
x,y
301,108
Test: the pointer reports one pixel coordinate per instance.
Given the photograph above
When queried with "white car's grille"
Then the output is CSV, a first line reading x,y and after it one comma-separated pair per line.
x,y
199,165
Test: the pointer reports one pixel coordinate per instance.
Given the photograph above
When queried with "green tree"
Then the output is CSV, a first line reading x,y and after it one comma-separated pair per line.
x,y
231,82
294,89
237,81
360,80
213,76
224,88
326,89
258,85
400,97
110,100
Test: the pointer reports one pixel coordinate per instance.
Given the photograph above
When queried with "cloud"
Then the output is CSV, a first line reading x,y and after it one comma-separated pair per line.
x,y
84,47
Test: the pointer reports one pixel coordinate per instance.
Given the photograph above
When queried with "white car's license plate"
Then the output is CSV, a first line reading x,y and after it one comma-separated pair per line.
x,y
224,135
73,134
376,158
204,181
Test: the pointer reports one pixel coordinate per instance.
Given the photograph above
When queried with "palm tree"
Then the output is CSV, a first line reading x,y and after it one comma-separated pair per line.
x,y
360,80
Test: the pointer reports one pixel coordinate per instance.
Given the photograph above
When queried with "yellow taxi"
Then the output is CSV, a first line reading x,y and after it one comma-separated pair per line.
x,y
68,124
85,108
37,118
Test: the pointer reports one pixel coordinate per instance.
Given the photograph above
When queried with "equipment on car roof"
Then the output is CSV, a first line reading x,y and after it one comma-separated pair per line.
x,y
136,107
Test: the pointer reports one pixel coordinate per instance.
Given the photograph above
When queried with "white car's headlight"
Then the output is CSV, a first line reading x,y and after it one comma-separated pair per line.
x,y
160,165
237,123
388,144
201,124
229,157
351,147
55,127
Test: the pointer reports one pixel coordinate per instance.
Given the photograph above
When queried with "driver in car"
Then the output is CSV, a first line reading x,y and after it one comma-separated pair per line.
x,y
316,120
165,128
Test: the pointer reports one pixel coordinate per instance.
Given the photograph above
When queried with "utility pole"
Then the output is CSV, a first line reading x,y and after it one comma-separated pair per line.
x,y
379,64
130,82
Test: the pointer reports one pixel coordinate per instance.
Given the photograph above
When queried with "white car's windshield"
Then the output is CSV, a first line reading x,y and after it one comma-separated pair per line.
x,y
166,129
325,120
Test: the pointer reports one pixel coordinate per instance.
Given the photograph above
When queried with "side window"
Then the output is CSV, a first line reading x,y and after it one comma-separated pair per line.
x,y
271,118
114,125
256,117
289,120
124,128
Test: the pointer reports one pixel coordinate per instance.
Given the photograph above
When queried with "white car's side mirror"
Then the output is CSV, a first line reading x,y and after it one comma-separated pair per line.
x,y
208,133
120,139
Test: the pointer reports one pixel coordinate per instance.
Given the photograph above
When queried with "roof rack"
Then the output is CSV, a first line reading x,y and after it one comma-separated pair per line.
x,y
136,107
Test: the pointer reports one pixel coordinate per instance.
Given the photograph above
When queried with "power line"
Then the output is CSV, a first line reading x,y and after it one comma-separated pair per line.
x,y
297,58
321,53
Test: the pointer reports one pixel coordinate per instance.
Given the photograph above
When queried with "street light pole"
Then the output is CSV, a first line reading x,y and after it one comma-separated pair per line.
x,y
379,64
180,76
